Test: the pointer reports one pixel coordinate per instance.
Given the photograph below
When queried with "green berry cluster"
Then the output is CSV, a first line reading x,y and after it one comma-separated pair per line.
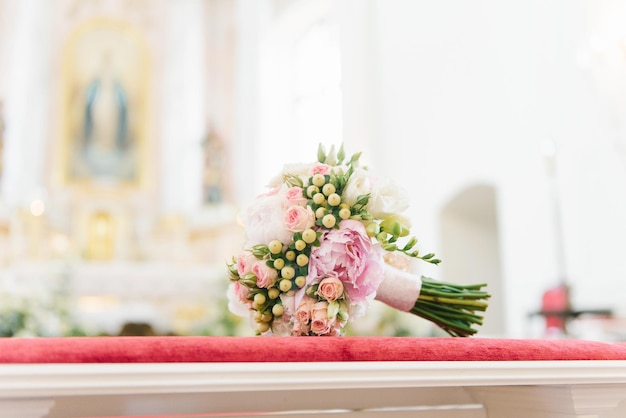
x,y
324,197
291,263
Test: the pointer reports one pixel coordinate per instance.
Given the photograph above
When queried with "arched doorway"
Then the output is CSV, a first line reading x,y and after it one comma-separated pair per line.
x,y
471,248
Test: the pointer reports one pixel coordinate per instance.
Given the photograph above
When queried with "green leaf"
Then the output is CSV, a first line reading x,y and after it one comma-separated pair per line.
x,y
292,180
341,155
260,251
331,159
355,158
362,201
410,244
321,154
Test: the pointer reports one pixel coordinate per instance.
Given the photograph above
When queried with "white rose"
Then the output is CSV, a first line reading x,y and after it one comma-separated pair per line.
x,y
387,198
264,221
360,183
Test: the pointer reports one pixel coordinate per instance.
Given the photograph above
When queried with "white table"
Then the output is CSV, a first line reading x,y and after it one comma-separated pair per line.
x,y
517,389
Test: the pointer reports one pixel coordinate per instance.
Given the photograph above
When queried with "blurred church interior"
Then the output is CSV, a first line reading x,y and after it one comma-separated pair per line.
x,y
133,131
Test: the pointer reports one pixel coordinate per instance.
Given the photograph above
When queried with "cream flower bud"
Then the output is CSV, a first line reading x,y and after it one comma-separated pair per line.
x,y
288,272
319,198
275,246
334,199
278,310
319,180
329,221
285,285
302,260
309,236
279,263
262,327
300,281
312,190
259,299
328,189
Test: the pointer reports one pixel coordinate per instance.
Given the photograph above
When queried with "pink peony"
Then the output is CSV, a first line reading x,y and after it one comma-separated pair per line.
x,y
265,276
348,254
299,218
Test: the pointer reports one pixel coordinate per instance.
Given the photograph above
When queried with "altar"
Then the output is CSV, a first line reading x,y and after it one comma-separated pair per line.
x,y
303,377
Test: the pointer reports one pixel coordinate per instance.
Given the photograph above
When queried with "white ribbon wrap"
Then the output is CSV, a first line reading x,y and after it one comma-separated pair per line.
x,y
399,289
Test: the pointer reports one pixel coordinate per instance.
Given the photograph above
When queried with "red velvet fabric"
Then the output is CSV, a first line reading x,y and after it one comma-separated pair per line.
x,y
297,349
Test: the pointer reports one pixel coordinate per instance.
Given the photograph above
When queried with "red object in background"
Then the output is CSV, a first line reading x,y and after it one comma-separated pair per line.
x,y
556,308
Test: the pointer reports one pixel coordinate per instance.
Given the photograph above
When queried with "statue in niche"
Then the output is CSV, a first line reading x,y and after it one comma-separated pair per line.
x,y
106,148
213,167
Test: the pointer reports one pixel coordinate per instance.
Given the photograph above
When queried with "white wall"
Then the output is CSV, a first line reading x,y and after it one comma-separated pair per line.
x,y
470,91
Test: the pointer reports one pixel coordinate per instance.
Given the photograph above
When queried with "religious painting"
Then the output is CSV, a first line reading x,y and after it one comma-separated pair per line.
x,y
106,73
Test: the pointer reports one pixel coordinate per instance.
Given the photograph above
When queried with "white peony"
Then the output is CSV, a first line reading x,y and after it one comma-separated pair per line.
x,y
264,220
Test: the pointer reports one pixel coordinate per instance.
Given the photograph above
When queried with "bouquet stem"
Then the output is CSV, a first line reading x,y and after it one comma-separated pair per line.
x,y
450,306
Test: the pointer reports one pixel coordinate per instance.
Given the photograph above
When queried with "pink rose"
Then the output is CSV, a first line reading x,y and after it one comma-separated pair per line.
x,y
242,293
330,288
322,326
319,310
245,261
320,168
303,313
265,276
300,329
348,254
294,196
298,218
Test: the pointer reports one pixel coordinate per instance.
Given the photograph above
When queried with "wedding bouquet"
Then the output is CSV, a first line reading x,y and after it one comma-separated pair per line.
x,y
327,239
